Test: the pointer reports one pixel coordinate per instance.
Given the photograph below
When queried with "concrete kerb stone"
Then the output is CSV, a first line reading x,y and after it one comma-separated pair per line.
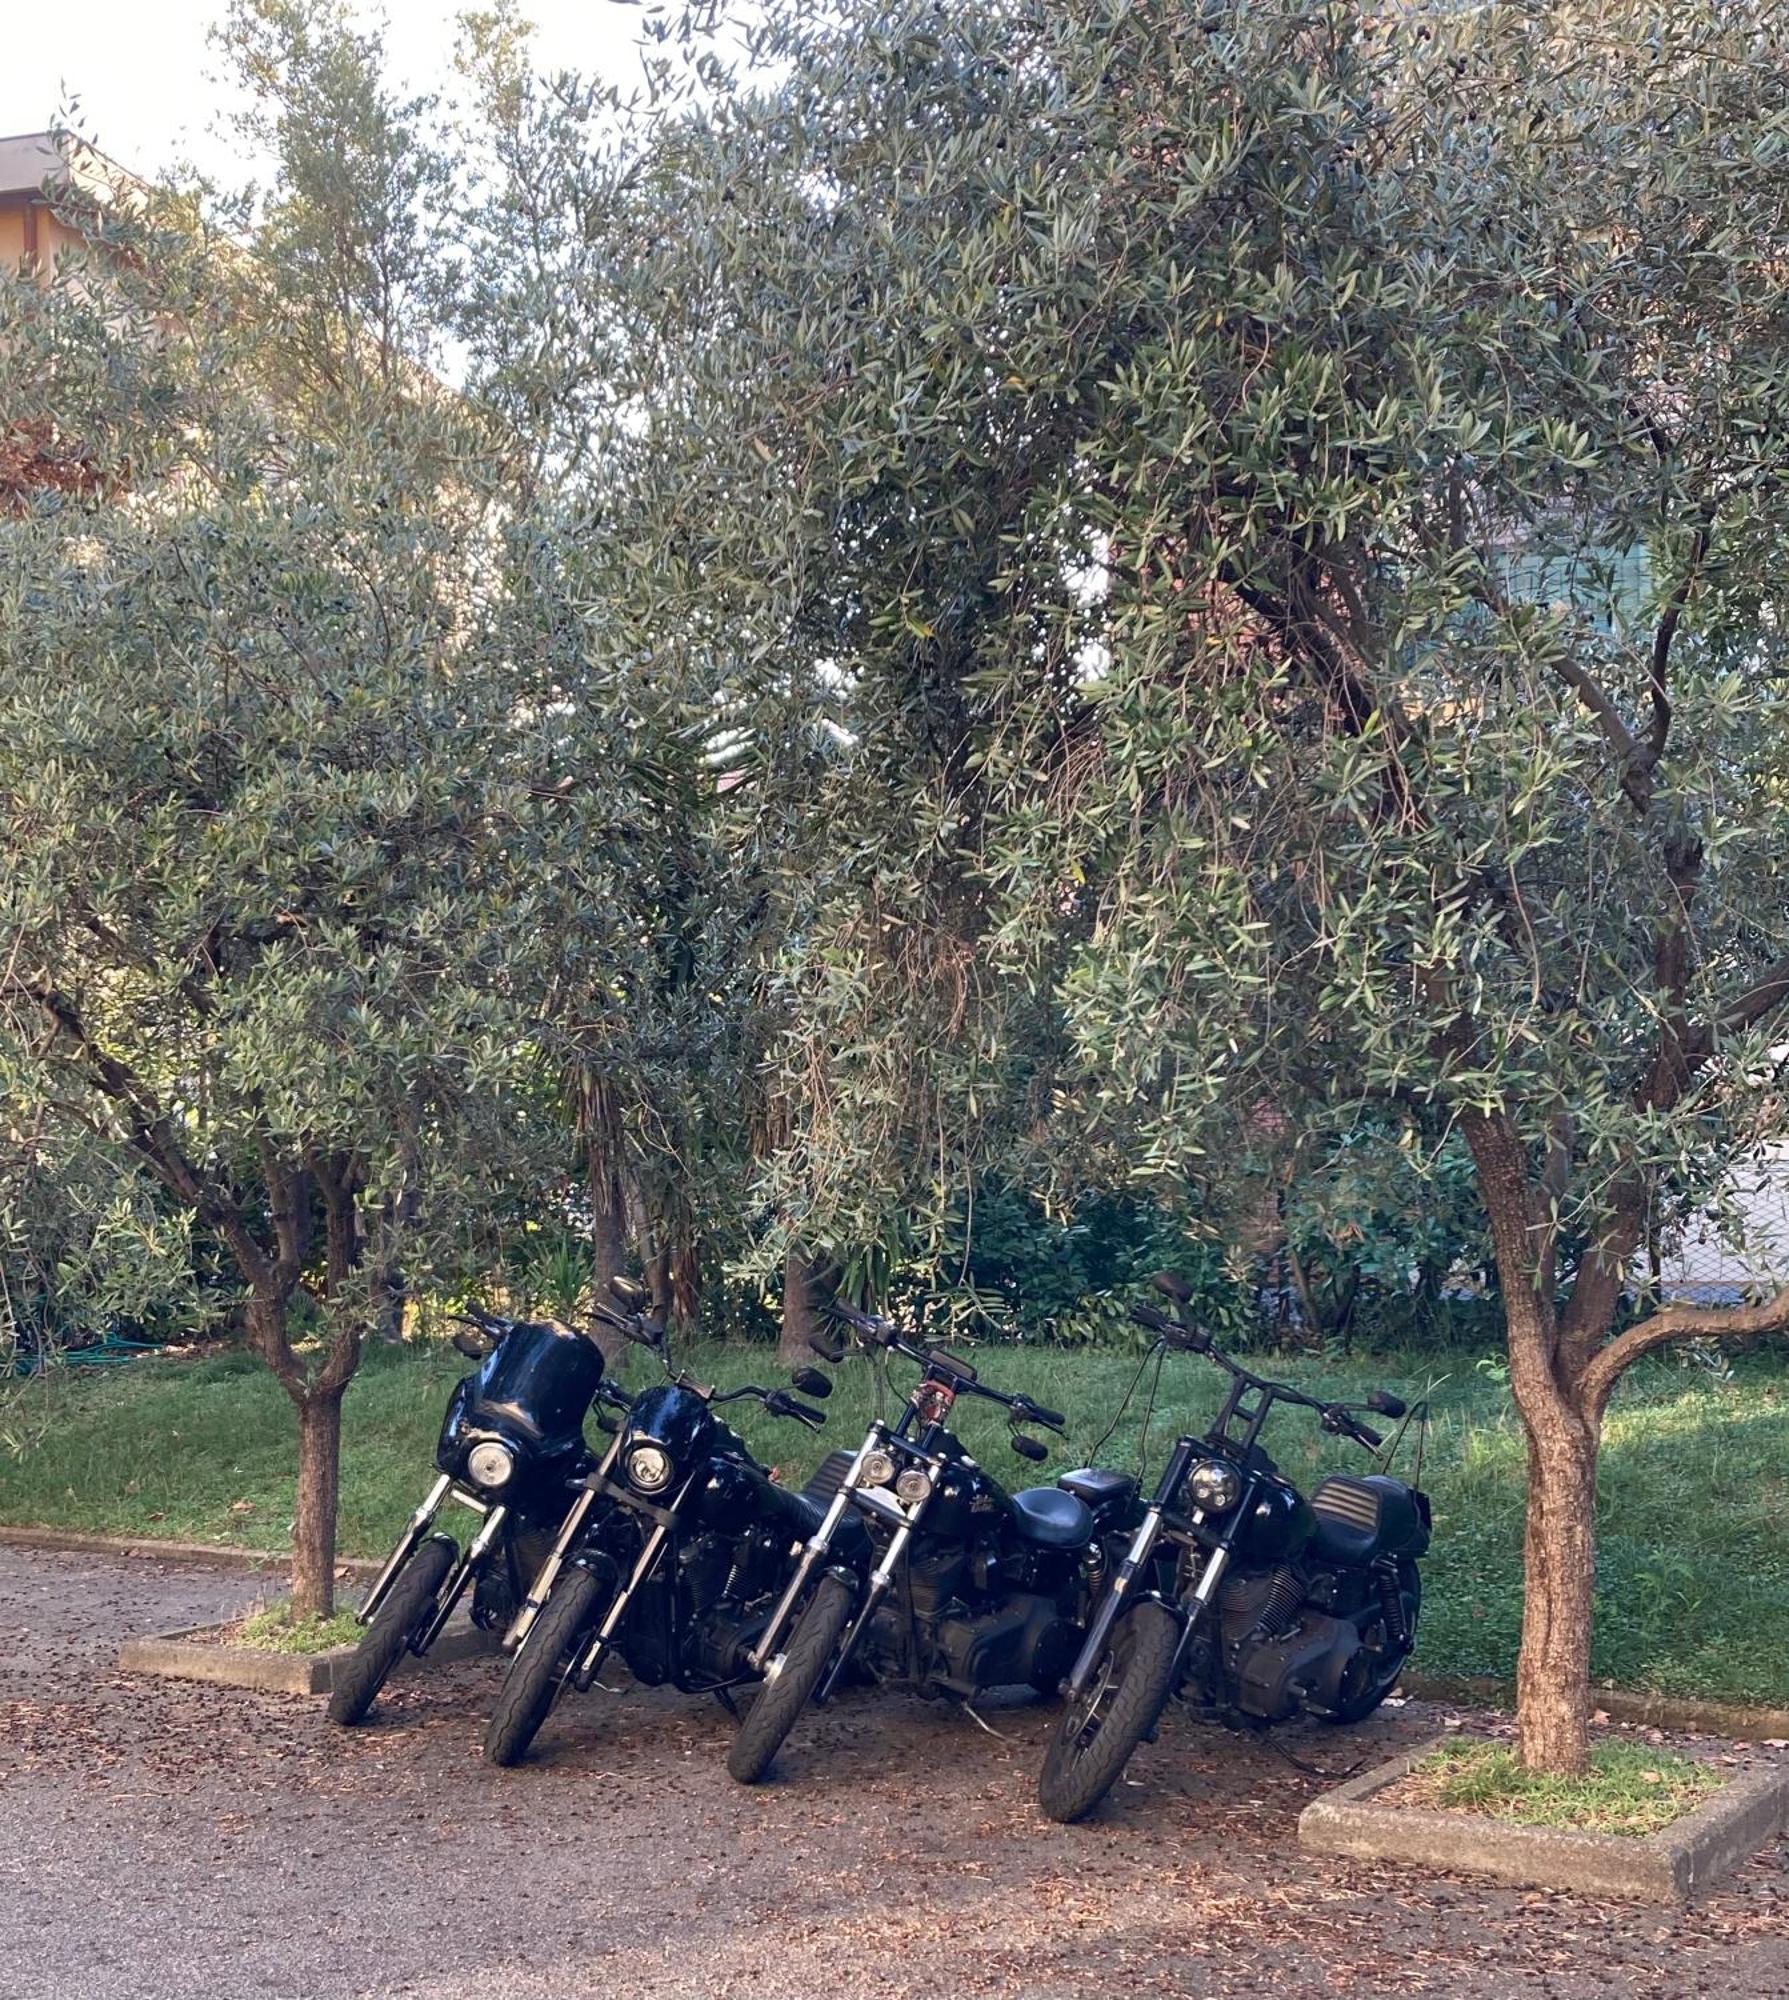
x,y
1665,1867
185,1655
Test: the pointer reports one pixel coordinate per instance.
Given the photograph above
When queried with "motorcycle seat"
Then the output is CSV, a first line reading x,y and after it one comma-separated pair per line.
x,y
1099,1487
1359,1520
1052,1519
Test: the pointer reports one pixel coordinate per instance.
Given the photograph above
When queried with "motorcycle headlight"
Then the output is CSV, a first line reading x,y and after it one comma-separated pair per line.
x,y
912,1487
1214,1485
490,1464
878,1469
649,1467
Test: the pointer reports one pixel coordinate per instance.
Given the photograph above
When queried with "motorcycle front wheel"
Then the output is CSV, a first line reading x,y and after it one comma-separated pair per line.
x,y
778,1704
1100,1728
408,1603
539,1669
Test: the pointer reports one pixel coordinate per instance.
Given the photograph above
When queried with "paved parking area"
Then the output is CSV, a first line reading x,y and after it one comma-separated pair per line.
x,y
160,1841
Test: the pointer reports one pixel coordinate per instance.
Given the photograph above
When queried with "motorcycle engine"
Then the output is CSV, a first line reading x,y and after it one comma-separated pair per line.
x,y
1280,1654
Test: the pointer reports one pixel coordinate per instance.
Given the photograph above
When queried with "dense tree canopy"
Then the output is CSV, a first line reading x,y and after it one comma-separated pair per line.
x,y
1097,609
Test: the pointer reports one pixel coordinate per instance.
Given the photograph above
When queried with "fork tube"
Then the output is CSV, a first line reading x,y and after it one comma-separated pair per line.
x,y
873,1596
472,1560
591,1657
1142,1547
817,1546
406,1548
570,1532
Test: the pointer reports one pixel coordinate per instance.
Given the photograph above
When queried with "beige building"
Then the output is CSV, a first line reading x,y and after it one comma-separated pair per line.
x,y
31,232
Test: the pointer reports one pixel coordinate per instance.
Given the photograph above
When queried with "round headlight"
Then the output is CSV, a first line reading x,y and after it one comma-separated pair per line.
x,y
490,1464
1214,1485
878,1469
912,1487
649,1467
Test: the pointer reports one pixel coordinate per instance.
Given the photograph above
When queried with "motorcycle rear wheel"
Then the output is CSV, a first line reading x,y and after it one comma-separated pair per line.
x,y
1099,1729
408,1603
539,1669
1380,1682
778,1704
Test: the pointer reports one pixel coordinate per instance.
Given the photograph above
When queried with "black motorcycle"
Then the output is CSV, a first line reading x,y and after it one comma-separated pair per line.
x,y
972,1587
511,1443
1237,1592
671,1555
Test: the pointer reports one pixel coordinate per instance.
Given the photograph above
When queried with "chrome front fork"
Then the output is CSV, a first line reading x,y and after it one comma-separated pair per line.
x,y
1142,1547
815,1549
880,1578
571,1531
412,1536
477,1552
590,1658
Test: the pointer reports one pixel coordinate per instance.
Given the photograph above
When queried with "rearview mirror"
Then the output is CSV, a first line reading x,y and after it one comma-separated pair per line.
x,y
1386,1403
471,1345
811,1383
629,1291
1029,1447
828,1350
1173,1286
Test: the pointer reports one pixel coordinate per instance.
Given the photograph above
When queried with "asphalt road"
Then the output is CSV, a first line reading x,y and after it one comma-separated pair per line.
x,y
161,1841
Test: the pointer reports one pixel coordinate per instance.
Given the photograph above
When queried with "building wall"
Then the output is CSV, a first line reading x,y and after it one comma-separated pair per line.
x,y
26,221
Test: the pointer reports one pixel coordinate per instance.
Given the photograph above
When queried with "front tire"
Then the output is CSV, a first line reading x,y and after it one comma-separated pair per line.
x,y
538,1671
1100,1728
780,1702
410,1601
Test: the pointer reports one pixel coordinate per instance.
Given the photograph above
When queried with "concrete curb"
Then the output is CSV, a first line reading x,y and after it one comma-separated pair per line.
x,y
74,1543
1657,1711
181,1656
1667,1867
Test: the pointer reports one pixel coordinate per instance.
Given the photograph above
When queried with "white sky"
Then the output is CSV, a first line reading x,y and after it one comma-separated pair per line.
x,y
143,73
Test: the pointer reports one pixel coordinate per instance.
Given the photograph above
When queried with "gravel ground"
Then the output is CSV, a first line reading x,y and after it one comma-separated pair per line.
x,y
160,1841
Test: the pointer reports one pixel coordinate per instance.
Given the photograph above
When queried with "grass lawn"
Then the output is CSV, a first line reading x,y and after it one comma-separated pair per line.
x,y
1630,1788
1693,1574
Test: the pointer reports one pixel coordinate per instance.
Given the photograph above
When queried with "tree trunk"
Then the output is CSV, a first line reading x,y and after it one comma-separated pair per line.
x,y
800,1309
1559,1572
608,1226
313,1527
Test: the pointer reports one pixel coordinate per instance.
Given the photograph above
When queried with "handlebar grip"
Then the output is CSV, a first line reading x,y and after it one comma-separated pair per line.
x,y
1156,1322
780,1404
1053,1419
1371,1438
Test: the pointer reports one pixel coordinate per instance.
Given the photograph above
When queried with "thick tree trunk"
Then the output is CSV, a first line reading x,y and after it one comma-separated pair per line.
x,y
1559,1579
800,1310
313,1527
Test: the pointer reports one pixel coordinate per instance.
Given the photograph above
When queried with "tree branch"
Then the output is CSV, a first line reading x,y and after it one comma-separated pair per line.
x,y
1606,1367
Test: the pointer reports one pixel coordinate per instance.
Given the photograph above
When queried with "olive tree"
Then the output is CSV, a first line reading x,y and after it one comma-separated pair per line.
x,y
1289,503
261,767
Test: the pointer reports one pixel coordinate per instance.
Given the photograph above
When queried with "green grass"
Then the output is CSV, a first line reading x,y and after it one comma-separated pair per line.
x,y
1693,1572
1630,1788
275,1630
